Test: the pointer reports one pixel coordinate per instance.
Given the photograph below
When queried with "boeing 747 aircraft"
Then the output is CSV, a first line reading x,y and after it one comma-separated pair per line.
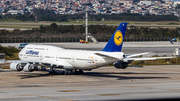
x,y
75,61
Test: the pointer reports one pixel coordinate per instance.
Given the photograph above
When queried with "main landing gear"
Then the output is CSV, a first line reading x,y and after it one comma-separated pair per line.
x,y
51,71
73,71
66,71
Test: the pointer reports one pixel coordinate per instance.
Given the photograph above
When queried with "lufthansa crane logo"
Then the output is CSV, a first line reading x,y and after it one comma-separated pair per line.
x,y
118,38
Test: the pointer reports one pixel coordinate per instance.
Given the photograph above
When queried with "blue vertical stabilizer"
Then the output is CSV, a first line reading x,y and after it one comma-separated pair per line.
x,y
170,40
116,41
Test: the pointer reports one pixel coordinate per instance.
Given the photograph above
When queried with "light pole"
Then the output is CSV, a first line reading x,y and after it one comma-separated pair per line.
x,y
86,26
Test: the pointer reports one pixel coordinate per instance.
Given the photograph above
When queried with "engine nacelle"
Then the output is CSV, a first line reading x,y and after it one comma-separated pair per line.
x,y
120,64
28,67
16,66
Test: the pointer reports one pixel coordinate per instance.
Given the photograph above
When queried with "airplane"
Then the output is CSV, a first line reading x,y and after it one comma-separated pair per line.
x,y
76,61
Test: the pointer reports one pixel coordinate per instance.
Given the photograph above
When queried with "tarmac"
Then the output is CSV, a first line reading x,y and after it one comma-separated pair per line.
x,y
102,84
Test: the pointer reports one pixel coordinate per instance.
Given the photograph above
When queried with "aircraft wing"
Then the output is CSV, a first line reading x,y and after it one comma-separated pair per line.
x,y
146,58
37,62
130,58
21,61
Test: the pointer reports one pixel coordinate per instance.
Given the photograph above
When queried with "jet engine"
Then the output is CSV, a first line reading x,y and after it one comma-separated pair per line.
x,y
16,66
28,67
120,64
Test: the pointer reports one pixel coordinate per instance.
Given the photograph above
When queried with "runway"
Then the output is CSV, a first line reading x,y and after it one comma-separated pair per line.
x,y
102,84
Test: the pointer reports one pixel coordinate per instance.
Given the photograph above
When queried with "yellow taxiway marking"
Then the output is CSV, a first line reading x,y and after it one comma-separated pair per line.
x,y
148,87
133,86
25,95
174,89
69,91
45,97
108,94
3,92
66,100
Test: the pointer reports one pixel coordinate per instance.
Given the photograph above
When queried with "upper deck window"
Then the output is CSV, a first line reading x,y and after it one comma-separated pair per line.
x,y
29,48
39,48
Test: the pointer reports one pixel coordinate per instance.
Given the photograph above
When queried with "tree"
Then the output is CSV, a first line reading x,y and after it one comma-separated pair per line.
x,y
77,10
28,3
121,3
1,17
88,4
8,3
41,28
6,10
128,11
103,1
53,25
177,7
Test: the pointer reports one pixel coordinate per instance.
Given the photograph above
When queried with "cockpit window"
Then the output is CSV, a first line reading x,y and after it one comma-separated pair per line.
x,y
23,50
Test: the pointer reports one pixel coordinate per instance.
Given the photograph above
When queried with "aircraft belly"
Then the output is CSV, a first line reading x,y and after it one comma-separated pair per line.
x,y
84,65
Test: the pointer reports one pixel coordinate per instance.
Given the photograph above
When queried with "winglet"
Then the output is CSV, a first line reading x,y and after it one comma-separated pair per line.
x,y
116,41
170,40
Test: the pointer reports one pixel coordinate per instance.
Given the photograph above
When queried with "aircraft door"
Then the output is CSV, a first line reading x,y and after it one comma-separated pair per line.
x,y
41,55
56,57
96,61
73,58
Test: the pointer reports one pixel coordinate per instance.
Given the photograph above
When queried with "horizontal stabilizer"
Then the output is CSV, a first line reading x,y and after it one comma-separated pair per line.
x,y
133,55
105,55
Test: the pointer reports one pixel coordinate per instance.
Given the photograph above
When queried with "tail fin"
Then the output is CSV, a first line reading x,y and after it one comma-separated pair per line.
x,y
116,41
170,40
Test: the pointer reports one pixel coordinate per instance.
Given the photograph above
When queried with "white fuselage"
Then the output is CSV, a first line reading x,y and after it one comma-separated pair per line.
x,y
69,59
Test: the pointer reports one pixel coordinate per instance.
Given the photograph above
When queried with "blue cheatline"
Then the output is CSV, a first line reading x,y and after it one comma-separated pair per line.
x,y
116,41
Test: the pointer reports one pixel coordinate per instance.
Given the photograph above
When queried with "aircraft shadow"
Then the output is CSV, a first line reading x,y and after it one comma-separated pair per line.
x,y
109,75
34,75
100,74
3,71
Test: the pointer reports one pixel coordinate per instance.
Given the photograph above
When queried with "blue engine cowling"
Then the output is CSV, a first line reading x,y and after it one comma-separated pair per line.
x,y
120,64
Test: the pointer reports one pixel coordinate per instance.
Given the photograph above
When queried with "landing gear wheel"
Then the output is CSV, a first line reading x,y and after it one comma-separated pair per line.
x,y
63,72
81,71
50,73
54,72
75,72
66,72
